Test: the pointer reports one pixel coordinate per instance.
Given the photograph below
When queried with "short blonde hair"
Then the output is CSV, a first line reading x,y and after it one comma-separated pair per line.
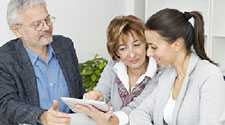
x,y
120,27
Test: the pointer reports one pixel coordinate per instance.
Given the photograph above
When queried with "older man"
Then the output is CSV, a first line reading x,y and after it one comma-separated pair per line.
x,y
36,69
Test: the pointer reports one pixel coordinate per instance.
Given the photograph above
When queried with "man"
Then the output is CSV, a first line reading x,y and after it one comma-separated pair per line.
x,y
36,69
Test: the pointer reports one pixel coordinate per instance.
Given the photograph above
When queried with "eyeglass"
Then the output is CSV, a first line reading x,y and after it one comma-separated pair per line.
x,y
38,25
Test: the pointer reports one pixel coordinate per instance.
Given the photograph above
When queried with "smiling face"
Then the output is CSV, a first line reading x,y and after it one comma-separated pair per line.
x,y
34,29
132,51
160,48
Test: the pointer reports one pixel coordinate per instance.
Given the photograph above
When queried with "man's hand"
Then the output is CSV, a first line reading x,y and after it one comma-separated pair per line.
x,y
54,117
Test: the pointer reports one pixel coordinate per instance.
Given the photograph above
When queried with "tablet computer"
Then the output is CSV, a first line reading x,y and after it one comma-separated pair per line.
x,y
71,102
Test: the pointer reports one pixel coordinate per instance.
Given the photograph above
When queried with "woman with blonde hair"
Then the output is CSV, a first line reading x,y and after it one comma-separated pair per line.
x,y
128,78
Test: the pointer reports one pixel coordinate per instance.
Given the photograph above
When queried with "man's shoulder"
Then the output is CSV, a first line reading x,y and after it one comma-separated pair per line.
x,y
8,48
61,41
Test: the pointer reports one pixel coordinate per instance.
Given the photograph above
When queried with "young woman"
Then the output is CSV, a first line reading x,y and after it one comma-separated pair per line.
x,y
128,78
191,89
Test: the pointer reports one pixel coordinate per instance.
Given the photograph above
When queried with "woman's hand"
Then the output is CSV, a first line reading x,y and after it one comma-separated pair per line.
x,y
101,118
93,95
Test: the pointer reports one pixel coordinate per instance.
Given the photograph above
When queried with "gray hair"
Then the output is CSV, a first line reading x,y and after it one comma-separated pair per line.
x,y
16,6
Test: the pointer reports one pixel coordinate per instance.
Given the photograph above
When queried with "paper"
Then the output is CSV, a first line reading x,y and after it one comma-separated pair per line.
x,y
71,102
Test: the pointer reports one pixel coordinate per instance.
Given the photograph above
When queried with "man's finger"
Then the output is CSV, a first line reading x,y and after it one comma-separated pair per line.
x,y
55,105
58,121
60,114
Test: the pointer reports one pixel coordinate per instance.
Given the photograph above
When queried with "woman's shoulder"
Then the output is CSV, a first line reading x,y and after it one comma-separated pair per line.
x,y
109,66
206,73
205,68
108,72
111,62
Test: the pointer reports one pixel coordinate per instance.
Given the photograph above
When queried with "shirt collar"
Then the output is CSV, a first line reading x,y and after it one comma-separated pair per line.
x,y
121,71
150,71
193,61
35,57
51,52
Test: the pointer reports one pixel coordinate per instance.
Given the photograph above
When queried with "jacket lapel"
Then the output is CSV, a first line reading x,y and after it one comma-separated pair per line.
x,y
64,59
27,72
166,84
191,66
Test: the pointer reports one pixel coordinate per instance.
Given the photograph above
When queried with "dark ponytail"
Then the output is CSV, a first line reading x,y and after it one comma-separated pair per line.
x,y
199,40
173,24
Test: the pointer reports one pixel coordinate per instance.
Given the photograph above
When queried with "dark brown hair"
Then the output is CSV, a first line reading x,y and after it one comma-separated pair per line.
x,y
120,27
173,24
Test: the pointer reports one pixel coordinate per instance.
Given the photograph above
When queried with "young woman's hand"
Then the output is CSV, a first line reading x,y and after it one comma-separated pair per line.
x,y
101,118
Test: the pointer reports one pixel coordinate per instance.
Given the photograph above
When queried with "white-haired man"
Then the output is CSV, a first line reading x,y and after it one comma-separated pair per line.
x,y
36,68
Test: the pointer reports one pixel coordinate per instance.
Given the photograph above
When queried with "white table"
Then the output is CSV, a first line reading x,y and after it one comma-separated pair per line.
x,y
81,119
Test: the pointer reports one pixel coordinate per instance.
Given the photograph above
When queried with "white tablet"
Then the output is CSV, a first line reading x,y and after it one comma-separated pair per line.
x,y
71,102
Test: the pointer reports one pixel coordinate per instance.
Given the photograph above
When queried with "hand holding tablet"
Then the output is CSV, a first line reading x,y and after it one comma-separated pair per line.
x,y
71,102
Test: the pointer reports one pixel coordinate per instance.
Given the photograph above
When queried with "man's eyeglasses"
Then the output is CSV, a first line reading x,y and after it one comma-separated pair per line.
x,y
38,25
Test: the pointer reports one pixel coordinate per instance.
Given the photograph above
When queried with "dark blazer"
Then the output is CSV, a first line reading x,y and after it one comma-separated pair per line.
x,y
19,99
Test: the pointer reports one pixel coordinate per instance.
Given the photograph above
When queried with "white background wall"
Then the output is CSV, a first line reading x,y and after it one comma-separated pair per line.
x,y
153,6
84,21
212,11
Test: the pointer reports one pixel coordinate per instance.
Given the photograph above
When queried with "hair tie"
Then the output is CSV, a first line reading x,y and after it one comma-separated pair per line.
x,y
187,15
